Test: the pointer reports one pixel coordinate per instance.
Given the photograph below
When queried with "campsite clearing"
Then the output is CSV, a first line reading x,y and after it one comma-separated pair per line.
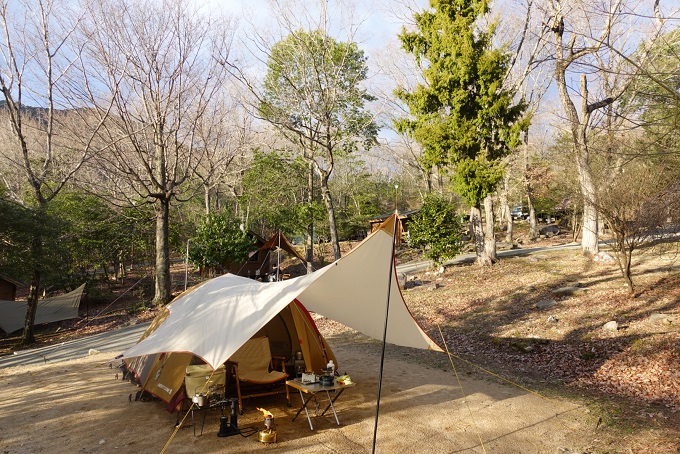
x,y
79,406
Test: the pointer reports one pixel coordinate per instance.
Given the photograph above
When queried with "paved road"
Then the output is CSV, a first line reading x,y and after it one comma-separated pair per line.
x,y
119,340
470,258
115,341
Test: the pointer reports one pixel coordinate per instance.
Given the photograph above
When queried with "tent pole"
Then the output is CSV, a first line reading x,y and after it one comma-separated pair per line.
x,y
387,313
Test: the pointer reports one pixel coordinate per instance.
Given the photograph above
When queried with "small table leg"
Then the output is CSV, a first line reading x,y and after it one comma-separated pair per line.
x,y
304,407
330,404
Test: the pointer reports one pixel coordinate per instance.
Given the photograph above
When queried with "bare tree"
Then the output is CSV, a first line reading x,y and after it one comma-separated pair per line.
x,y
640,207
396,68
160,64
521,18
51,130
582,34
226,134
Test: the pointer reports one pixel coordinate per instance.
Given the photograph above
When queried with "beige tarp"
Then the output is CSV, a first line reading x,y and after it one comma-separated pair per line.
x,y
64,307
215,319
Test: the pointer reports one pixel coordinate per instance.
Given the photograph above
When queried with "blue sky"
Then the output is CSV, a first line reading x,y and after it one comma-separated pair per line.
x,y
378,23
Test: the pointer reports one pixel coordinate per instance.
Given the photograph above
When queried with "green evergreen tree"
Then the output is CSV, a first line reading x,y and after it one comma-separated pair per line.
x,y
436,229
218,243
463,116
654,96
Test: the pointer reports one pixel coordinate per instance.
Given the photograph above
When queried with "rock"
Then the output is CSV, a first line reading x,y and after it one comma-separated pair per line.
x,y
604,257
402,279
413,283
93,352
521,346
545,303
611,326
567,291
663,318
549,230
553,319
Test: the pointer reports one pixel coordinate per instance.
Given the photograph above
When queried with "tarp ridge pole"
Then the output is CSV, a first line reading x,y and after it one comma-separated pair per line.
x,y
384,339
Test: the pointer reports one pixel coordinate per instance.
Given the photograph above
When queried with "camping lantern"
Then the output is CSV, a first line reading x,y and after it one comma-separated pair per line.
x,y
268,434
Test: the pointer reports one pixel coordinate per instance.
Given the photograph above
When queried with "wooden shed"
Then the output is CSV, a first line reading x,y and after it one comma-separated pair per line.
x,y
8,288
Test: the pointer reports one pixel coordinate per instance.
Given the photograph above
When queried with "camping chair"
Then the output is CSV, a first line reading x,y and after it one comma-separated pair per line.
x,y
253,364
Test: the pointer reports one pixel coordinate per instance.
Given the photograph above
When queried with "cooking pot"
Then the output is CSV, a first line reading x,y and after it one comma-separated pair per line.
x,y
326,380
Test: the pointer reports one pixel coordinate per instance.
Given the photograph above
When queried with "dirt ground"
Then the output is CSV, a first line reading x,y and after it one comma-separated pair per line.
x,y
80,407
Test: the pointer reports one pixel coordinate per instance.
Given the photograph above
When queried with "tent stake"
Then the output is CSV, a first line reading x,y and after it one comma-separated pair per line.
x,y
387,313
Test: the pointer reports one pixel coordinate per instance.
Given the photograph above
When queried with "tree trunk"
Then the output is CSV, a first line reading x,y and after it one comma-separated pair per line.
x,y
575,227
589,238
218,204
533,224
310,225
162,282
533,227
428,180
478,232
328,202
28,336
506,213
206,198
489,233
36,253
625,257
578,124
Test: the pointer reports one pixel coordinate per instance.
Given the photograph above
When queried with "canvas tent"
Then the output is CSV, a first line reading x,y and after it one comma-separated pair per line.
x,y
292,330
63,307
279,240
260,262
215,319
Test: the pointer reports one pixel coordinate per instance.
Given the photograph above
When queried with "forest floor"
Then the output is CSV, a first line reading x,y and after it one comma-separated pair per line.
x,y
536,320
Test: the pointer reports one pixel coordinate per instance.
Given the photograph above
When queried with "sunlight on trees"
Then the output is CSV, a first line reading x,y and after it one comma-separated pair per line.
x,y
125,123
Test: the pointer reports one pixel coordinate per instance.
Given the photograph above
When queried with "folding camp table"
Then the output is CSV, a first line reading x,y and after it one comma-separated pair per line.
x,y
312,389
